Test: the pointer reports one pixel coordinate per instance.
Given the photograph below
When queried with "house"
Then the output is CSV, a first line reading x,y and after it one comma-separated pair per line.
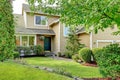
x,y
48,31
40,28
101,39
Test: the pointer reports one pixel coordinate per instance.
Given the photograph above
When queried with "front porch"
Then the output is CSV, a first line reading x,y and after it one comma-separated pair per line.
x,y
33,37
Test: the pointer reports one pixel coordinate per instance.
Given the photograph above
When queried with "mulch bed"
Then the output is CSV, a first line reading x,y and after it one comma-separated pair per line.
x,y
100,79
92,64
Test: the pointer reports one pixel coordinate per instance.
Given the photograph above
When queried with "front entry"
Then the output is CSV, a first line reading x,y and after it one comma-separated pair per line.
x,y
47,44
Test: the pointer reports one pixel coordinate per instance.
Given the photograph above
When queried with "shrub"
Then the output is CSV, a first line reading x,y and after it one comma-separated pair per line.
x,y
62,71
76,57
59,54
26,50
96,52
85,54
68,54
16,54
38,49
109,61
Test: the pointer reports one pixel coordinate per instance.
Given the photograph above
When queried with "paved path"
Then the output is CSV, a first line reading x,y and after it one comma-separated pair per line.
x,y
61,58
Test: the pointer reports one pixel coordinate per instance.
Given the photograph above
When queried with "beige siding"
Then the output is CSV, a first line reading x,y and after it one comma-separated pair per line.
x,y
55,39
30,21
85,39
19,20
62,39
106,35
103,44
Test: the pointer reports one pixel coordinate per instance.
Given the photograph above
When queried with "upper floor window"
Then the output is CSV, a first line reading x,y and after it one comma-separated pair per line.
x,y
40,20
66,30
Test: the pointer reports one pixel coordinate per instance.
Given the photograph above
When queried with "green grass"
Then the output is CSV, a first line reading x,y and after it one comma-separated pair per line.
x,y
13,71
74,68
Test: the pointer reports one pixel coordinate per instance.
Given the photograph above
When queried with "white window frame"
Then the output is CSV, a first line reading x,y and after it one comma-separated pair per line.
x,y
40,24
27,39
112,41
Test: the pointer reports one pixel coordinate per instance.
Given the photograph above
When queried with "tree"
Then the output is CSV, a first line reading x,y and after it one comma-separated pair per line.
x,y
92,14
73,45
7,41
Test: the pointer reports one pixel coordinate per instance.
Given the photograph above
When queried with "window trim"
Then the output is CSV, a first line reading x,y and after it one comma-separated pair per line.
x,y
40,24
64,26
110,41
27,39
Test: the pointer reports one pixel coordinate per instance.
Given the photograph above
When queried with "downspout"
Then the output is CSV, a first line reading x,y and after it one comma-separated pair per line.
x,y
59,38
91,36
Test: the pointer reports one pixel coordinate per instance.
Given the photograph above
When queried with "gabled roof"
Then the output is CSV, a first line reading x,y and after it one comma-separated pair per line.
x,y
34,31
26,8
80,31
54,22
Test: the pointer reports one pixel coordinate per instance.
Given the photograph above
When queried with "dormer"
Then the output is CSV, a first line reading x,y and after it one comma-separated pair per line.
x,y
38,20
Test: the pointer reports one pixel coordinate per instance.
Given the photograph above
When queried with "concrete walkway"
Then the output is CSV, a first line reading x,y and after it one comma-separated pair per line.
x,y
61,58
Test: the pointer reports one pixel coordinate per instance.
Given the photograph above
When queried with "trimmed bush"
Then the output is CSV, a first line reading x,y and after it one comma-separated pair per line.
x,y
109,61
96,52
85,54
76,57
38,50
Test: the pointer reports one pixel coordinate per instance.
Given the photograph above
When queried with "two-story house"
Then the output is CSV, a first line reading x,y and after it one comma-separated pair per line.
x,y
48,31
40,28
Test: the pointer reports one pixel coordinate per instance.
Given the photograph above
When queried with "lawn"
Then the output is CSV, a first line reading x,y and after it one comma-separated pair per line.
x,y
74,68
13,71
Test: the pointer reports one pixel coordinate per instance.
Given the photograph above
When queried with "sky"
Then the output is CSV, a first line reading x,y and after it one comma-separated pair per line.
x,y
17,6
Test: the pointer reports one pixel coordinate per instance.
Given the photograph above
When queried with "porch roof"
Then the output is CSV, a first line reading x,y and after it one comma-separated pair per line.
x,y
34,31
82,30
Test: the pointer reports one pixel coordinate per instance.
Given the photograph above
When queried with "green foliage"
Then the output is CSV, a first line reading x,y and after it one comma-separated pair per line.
x,y
72,67
59,54
38,49
76,57
73,43
96,52
7,42
98,14
14,71
62,71
109,61
68,54
26,50
16,55
85,54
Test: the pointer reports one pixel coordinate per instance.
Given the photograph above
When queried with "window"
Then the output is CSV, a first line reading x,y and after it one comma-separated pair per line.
x,y
25,40
18,40
40,20
31,40
66,31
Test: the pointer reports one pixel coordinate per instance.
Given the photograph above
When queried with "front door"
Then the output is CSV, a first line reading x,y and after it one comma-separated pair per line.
x,y
47,44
